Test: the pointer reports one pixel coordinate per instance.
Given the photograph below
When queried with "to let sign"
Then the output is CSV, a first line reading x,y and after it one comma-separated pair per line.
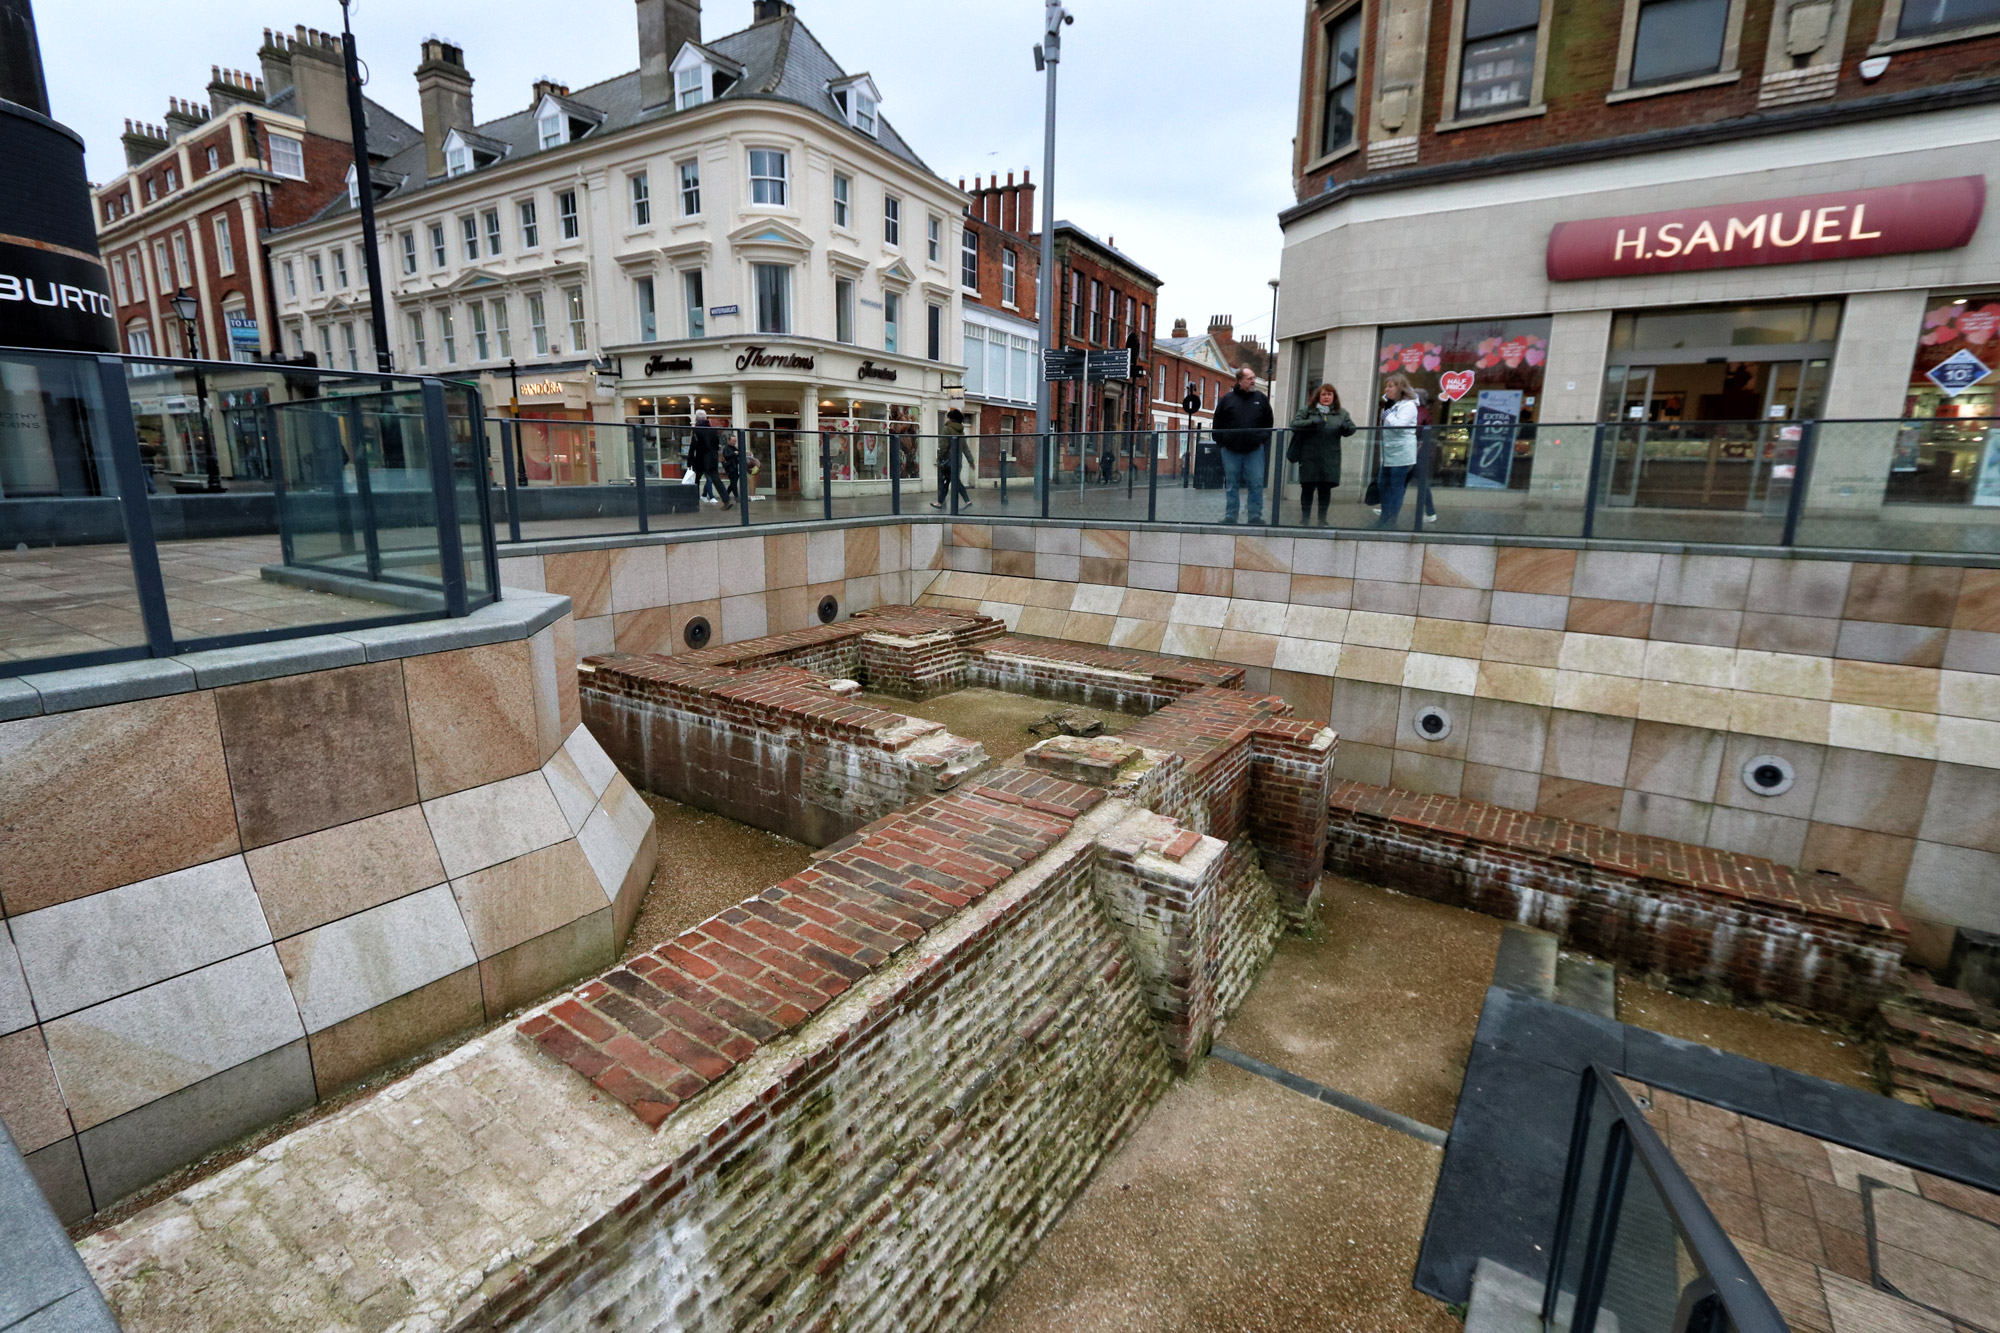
x,y
1849,224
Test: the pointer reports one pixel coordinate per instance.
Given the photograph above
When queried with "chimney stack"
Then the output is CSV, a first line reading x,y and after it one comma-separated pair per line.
x,y
665,26
1222,328
183,116
316,69
1180,328
275,58
761,10
141,141
444,92
232,87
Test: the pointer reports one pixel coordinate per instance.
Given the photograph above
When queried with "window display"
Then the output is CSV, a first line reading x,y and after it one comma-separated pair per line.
x,y
1480,382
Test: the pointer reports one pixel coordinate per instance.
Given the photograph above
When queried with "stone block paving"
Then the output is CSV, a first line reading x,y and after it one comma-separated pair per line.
x,y
657,1030
1844,1242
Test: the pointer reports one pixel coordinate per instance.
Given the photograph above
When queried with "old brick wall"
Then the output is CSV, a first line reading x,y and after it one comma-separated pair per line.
x,y
1758,929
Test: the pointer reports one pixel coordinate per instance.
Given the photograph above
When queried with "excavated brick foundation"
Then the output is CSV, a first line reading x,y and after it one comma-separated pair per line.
x,y
1761,930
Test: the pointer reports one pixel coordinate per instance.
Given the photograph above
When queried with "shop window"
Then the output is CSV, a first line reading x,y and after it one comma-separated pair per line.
x,y
1496,56
1957,367
1924,18
1486,369
1342,49
1308,369
665,433
1721,327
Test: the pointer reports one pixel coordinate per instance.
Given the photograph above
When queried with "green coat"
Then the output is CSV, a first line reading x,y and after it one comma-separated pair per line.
x,y
1315,444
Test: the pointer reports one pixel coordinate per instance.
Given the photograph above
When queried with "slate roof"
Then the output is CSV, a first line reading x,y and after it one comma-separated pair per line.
x,y
1063,225
388,133
779,58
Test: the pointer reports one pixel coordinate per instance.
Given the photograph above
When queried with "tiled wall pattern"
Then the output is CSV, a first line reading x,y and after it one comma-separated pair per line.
x,y
1622,688
221,905
639,599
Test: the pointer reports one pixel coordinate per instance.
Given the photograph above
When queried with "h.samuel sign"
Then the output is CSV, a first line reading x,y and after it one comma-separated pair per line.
x,y
1850,224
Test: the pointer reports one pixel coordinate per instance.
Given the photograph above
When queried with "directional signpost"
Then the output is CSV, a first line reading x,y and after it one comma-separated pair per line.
x,y
1062,364
1114,364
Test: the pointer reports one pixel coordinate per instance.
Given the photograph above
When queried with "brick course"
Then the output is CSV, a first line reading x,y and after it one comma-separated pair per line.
x,y
1761,930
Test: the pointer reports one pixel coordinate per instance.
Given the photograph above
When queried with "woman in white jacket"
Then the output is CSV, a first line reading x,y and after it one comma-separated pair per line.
x,y
1399,446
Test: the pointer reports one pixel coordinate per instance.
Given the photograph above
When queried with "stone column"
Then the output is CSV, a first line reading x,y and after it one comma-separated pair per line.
x,y
808,448
1159,882
1291,776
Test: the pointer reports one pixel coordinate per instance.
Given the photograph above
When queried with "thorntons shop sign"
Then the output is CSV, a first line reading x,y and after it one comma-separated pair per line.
x,y
1851,224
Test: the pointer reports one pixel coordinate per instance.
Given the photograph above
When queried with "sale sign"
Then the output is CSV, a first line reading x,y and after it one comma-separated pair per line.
x,y
1848,224
1454,385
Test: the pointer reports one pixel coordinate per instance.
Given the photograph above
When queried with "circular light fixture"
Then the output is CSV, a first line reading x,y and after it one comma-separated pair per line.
x,y
1768,775
696,632
829,607
1432,724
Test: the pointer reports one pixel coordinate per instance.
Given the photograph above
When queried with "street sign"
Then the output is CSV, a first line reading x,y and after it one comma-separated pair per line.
x,y
1191,404
1958,372
1061,364
1113,364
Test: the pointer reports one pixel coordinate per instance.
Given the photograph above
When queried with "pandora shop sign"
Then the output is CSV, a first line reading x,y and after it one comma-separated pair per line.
x,y
1849,224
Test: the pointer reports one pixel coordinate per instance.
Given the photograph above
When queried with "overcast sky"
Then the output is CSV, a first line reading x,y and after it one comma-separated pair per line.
x,y
1174,133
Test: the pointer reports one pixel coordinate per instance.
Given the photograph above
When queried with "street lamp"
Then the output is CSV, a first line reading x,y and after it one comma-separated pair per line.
x,y
187,308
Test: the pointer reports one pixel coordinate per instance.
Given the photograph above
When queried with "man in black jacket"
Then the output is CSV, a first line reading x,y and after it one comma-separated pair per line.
x,y
1243,430
708,458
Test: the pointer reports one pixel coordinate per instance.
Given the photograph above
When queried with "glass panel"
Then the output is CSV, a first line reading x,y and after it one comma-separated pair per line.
x,y
1915,485
1926,16
70,592
1726,326
1497,73
1649,1265
1678,39
1590,1162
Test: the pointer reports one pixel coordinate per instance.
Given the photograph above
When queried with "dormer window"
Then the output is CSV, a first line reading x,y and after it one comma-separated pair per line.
x,y
857,99
691,87
457,159
558,122
701,76
552,127
353,188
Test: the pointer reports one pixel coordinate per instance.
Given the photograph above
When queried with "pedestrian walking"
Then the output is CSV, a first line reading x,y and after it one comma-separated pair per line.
x,y
950,443
707,459
1399,420
1242,425
1316,434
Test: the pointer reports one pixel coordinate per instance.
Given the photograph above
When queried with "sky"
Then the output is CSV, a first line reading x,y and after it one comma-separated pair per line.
x,y
1173,133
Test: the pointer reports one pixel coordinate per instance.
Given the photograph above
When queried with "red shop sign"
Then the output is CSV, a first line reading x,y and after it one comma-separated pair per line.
x,y
1848,224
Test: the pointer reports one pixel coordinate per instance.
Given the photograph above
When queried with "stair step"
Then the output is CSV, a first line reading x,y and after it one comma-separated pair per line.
x,y
1967,1105
1942,1001
1526,962
1905,1064
1587,984
1957,1042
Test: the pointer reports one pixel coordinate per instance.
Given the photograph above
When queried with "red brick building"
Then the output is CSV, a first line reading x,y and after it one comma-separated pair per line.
x,y
1106,300
208,184
1000,264
1710,215
1182,363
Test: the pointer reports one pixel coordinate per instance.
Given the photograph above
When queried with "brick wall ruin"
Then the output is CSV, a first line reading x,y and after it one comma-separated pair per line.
x,y
1760,930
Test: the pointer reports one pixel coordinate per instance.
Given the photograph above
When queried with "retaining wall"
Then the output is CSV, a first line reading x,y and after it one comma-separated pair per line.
x,y
1758,929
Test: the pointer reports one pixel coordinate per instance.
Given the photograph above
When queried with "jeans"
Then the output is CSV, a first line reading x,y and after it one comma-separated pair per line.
x,y
1394,481
1243,470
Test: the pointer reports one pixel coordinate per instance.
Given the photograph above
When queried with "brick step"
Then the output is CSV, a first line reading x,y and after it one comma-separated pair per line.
x,y
1952,1101
1959,1043
1939,1001
1911,1065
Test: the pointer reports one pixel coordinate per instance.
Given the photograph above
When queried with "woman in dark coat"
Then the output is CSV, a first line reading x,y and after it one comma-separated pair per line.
x,y
1316,435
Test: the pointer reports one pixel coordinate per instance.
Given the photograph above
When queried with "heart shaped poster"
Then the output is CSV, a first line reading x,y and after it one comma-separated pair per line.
x,y
1454,385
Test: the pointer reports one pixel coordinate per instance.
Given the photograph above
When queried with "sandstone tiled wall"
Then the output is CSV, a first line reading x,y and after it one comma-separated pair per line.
x,y
639,598
223,904
1624,688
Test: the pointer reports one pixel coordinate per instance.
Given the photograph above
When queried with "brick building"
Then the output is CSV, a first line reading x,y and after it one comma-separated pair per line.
x,y
1181,363
1000,265
1711,217
203,189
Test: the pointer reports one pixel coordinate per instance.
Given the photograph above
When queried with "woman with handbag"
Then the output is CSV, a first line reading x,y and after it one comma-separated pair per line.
x,y
1399,420
1316,434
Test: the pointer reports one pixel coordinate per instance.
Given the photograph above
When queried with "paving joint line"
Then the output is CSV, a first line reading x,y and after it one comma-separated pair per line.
x,y
1388,1119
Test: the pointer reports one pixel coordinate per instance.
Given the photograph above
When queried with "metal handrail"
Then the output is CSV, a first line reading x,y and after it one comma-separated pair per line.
x,y
1726,1279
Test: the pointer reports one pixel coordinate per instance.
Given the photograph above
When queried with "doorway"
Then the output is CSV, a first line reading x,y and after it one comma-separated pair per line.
x,y
774,444
1718,434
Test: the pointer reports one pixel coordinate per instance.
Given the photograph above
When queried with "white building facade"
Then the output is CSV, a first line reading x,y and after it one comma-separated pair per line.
x,y
733,228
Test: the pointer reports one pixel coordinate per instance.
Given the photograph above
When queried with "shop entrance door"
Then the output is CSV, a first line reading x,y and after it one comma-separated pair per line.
x,y
1721,434
774,443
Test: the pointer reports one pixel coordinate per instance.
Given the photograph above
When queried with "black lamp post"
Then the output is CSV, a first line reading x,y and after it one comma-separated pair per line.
x,y
187,308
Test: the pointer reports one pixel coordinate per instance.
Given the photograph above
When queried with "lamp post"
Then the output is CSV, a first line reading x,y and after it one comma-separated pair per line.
x,y
187,308
1048,54
364,185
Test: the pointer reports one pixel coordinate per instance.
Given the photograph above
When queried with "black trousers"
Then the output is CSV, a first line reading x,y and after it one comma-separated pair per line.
x,y
1307,490
717,482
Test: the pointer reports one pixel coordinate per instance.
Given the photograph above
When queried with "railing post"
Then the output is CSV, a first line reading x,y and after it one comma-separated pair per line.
x,y
444,490
364,486
1003,476
1423,479
274,453
825,475
895,451
1795,503
140,545
508,446
1594,481
1044,470
1153,477
639,471
743,477
954,474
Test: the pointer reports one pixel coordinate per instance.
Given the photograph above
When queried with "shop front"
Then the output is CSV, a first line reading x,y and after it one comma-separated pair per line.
x,y
1702,322
805,409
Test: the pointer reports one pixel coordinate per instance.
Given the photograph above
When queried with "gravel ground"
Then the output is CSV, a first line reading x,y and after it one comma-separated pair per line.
x,y
1808,1047
706,863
